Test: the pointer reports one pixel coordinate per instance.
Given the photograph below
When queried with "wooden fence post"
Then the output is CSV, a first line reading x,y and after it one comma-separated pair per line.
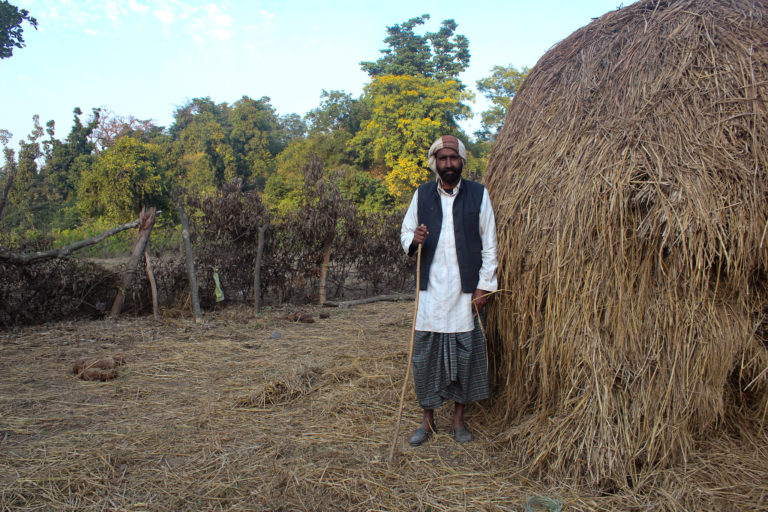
x,y
190,259
257,269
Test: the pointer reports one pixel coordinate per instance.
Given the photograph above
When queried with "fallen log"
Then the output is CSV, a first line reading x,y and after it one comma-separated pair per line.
x,y
377,298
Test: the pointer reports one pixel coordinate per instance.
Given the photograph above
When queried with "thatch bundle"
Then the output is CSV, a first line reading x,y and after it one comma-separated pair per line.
x,y
631,193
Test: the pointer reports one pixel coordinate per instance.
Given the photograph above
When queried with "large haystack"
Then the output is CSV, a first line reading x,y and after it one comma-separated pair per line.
x,y
630,184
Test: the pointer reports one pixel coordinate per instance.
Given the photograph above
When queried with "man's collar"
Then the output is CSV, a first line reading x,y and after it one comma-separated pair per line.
x,y
451,192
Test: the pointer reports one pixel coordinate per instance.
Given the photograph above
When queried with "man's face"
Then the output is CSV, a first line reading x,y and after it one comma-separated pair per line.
x,y
449,166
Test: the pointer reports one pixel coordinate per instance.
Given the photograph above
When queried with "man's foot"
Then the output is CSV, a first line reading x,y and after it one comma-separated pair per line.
x,y
462,435
421,435
458,430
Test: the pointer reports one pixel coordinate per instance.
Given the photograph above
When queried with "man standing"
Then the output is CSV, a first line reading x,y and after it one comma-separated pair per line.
x,y
454,221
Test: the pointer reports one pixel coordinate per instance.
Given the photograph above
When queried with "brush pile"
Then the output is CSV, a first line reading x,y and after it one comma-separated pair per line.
x,y
630,184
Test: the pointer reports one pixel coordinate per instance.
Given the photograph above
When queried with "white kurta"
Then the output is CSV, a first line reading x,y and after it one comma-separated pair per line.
x,y
443,307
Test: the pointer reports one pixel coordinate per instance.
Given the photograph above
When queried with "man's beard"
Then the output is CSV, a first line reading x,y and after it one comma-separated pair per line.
x,y
450,175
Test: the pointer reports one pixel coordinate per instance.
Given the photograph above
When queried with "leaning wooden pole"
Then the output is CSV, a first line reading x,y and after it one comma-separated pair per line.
x,y
146,221
152,282
410,358
190,261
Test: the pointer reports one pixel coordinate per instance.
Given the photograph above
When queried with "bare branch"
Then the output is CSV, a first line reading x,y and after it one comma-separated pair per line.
x,y
63,252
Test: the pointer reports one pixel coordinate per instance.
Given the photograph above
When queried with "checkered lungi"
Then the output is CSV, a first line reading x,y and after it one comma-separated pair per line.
x,y
450,366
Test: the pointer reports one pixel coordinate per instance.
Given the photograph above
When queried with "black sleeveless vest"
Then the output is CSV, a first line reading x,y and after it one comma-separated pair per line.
x,y
466,227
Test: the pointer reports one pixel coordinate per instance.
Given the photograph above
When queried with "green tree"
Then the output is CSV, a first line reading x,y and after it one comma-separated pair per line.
x,y
407,114
440,55
26,192
218,143
11,31
8,171
128,176
499,88
66,160
367,193
284,190
201,130
450,51
256,138
292,127
414,96
338,110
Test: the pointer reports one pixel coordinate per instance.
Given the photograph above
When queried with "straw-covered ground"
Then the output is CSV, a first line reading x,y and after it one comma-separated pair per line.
x,y
224,416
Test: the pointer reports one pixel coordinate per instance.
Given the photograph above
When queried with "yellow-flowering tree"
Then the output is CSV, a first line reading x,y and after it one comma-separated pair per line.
x,y
407,114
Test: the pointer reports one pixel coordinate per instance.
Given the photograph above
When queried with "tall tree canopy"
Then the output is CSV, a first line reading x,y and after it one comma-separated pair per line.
x,y
11,31
499,88
414,97
408,114
219,142
338,110
256,137
41,191
20,183
67,160
440,55
27,194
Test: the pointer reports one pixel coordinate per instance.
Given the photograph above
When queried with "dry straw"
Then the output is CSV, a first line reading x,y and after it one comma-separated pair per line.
x,y
629,183
224,416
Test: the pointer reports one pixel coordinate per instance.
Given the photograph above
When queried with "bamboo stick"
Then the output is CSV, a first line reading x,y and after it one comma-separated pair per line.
x,y
410,358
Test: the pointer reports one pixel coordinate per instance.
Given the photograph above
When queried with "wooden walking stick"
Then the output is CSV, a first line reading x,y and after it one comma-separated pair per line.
x,y
410,358
482,331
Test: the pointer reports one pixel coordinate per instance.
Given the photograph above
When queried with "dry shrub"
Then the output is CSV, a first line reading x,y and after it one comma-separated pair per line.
x,y
629,183
225,237
72,288
54,290
365,254
381,261
172,281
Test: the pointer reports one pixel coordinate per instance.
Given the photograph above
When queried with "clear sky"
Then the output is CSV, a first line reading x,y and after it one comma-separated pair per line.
x,y
147,57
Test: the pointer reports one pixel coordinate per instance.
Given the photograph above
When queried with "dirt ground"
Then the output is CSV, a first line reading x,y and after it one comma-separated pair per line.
x,y
245,412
